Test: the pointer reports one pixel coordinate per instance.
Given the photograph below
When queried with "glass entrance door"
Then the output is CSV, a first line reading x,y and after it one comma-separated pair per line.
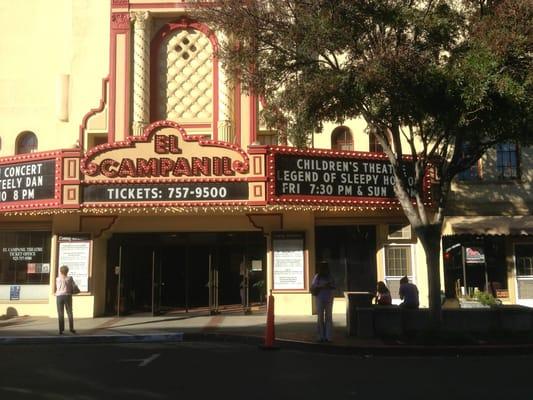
x,y
181,272
156,281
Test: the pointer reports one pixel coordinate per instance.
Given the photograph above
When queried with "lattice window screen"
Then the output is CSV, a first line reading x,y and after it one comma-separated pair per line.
x,y
186,77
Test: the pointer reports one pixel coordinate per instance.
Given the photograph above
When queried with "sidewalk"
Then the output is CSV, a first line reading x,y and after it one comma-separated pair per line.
x,y
292,332
295,328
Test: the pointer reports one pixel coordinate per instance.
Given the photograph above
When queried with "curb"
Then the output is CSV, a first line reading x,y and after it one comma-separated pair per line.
x,y
284,344
368,351
92,339
408,350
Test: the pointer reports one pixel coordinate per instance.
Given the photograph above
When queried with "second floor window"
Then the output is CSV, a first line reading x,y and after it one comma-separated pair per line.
x,y
507,160
470,174
342,139
26,143
473,173
373,144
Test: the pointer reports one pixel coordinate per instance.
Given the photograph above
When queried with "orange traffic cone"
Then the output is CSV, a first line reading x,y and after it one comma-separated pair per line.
x,y
270,332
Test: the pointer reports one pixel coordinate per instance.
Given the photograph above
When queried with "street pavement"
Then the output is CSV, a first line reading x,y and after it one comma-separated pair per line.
x,y
294,332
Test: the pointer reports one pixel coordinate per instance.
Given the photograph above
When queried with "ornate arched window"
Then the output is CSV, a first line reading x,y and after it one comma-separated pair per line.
x,y
26,143
341,138
184,74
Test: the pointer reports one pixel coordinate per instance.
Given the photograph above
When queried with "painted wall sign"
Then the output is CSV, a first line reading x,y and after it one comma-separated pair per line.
x,y
23,253
319,175
166,165
27,181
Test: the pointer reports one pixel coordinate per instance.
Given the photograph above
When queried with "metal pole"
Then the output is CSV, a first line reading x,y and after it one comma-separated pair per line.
x,y
186,280
464,267
153,282
487,288
119,277
210,283
246,284
216,291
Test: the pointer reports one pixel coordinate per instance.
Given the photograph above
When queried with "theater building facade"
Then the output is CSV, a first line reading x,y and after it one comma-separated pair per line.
x,y
131,157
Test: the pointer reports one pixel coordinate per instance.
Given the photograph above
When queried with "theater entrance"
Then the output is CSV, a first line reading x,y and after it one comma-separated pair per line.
x,y
166,273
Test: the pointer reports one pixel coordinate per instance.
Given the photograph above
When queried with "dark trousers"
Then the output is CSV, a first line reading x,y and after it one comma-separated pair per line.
x,y
64,302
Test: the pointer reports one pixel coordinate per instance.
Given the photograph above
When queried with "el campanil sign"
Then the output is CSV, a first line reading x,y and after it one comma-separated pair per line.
x,y
166,165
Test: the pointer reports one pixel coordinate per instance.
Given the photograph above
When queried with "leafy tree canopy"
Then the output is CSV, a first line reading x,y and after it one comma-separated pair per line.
x,y
437,74
430,77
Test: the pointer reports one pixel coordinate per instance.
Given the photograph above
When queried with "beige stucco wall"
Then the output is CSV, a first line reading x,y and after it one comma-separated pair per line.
x,y
42,40
322,140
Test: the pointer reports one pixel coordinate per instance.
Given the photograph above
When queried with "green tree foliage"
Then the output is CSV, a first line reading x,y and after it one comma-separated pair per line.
x,y
430,77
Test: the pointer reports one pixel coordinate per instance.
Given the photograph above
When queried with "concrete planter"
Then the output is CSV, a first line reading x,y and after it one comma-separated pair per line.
x,y
383,321
515,318
475,320
463,303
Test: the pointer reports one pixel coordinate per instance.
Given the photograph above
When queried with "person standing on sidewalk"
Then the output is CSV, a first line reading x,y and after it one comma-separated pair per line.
x,y
65,286
322,288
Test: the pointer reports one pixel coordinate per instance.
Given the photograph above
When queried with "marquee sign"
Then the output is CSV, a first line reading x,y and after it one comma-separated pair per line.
x,y
331,177
166,166
27,181
30,181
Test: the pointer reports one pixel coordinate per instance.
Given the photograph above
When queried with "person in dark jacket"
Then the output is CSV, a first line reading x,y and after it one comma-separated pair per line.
x,y
408,293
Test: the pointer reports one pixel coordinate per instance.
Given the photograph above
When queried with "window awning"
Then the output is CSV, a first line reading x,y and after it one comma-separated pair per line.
x,y
492,225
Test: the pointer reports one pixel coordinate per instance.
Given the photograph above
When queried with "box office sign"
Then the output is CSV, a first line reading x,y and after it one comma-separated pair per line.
x,y
167,192
23,253
321,175
27,181
166,166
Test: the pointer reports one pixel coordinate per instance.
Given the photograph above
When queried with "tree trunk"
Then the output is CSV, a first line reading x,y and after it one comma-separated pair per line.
x,y
430,237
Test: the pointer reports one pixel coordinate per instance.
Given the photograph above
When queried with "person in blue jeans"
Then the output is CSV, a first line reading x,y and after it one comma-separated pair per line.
x,y
322,288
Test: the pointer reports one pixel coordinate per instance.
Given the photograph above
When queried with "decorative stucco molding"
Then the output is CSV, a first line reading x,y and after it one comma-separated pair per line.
x,y
141,70
120,21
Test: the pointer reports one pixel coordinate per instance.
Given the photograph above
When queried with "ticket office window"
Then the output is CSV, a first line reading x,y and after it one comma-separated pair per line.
x,y
25,258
